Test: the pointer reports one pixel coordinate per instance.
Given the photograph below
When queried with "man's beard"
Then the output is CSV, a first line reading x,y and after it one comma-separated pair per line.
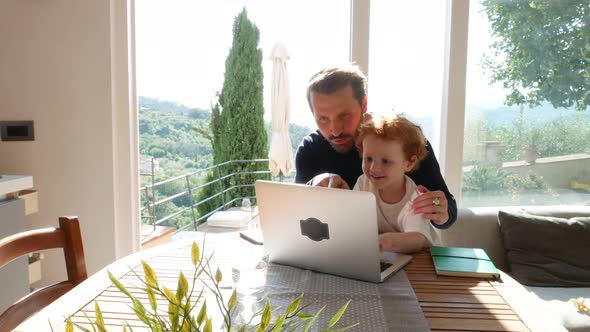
x,y
339,148
352,141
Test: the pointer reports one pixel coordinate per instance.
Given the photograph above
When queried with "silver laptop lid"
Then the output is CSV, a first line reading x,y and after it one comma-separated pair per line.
x,y
322,229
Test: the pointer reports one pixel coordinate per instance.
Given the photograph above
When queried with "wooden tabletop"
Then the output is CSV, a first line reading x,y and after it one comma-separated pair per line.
x,y
459,303
448,303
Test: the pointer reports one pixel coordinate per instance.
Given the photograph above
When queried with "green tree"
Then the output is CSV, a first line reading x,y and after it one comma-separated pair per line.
x,y
541,51
242,134
237,130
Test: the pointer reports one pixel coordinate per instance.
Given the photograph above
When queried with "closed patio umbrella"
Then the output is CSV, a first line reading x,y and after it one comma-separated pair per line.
x,y
280,154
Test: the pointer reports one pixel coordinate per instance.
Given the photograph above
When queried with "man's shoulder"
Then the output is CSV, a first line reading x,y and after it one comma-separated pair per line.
x,y
410,184
314,136
313,141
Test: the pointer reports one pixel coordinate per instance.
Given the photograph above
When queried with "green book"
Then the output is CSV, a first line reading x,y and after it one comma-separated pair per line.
x,y
463,262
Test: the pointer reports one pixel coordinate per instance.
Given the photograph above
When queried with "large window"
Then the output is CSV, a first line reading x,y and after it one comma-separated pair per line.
x,y
529,149
406,56
525,154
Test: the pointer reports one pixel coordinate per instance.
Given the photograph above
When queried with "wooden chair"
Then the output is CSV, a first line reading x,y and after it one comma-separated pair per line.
x,y
68,237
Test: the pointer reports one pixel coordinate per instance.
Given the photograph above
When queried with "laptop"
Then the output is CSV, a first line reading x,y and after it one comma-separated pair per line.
x,y
324,229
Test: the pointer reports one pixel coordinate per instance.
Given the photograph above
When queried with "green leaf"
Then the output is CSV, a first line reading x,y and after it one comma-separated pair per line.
x,y
140,312
69,326
182,287
304,316
266,315
278,324
173,308
208,326
80,326
173,314
294,305
233,300
338,315
99,318
157,327
119,285
202,313
312,320
171,297
152,298
185,326
195,253
150,276
218,276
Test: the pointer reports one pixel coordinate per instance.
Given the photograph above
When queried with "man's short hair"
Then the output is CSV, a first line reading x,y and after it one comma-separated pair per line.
x,y
395,127
331,80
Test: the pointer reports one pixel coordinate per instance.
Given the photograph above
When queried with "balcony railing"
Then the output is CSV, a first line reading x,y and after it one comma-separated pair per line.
x,y
226,182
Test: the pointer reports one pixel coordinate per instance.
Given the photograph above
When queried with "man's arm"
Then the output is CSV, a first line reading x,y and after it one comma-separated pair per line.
x,y
428,175
304,169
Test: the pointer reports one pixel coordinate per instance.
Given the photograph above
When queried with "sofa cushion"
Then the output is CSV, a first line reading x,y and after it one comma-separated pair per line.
x,y
546,251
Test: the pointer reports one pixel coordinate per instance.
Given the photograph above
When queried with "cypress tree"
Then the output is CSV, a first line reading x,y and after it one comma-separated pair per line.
x,y
237,121
242,132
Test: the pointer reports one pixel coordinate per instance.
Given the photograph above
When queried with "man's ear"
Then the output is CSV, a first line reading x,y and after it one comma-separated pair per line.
x,y
364,106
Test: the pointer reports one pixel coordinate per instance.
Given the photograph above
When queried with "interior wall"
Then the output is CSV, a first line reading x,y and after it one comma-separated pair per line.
x,y
56,68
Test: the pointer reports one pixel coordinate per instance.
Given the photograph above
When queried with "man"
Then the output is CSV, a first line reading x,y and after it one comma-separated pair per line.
x,y
337,98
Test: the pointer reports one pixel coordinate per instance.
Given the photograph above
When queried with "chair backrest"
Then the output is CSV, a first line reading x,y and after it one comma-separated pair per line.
x,y
68,237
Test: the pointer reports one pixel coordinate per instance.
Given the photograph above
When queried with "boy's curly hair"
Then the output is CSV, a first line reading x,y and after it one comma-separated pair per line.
x,y
395,127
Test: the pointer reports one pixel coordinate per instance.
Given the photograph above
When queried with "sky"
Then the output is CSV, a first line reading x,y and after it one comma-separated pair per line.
x,y
181,47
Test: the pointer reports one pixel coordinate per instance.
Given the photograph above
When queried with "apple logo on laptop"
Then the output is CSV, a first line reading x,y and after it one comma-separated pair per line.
x,y
314,229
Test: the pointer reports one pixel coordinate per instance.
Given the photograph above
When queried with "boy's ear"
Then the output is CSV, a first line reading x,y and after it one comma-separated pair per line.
x,y
411,163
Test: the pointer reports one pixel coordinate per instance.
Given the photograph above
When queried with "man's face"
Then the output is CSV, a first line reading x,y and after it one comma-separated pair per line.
x,y
338,116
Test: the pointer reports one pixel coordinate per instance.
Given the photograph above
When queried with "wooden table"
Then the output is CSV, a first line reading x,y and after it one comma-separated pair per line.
x,y
448,303
459,303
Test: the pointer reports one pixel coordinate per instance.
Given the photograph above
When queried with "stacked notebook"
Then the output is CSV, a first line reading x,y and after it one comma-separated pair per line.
x,y
463,262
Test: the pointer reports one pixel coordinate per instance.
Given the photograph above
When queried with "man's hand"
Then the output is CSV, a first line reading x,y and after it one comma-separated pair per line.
x,y
432,205
329,180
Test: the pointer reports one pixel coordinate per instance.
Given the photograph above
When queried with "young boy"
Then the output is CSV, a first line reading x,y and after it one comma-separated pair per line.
x,y
390,146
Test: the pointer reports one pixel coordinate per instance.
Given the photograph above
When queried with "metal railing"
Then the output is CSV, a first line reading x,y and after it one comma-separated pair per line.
x,y
151,202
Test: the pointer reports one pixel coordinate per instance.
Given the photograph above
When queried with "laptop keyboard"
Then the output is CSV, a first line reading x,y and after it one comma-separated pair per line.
x,y
385,265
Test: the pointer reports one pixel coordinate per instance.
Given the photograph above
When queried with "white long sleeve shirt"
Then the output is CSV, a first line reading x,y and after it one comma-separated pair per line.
x,y
398,217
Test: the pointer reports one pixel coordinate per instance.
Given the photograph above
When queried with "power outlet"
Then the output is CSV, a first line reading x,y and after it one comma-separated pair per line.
x,y
17,131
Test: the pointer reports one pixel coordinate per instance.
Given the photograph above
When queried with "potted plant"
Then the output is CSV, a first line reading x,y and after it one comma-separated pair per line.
x,y
531,152
185,313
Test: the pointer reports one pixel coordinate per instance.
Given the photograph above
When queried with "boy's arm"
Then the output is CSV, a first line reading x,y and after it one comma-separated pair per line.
x,y
403,243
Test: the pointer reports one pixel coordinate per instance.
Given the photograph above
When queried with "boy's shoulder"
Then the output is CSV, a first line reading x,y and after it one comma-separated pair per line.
x,y
362,183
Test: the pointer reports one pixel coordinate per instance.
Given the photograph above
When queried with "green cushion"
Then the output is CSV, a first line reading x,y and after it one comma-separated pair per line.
x,y
546,251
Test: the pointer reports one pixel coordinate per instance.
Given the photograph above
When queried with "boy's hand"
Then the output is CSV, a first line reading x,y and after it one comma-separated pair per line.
x,y
432,205
329,180
384,241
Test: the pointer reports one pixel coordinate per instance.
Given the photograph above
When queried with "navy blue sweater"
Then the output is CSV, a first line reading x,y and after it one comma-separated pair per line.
x,y
315,156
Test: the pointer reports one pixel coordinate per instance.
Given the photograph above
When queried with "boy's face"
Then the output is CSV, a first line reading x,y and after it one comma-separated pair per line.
x,y
384,163
338,116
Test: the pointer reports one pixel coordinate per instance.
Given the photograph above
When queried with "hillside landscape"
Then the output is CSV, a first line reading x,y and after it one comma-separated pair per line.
x,y
166,134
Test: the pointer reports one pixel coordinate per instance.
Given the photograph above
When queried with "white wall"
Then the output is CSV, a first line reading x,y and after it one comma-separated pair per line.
x,y
63,64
